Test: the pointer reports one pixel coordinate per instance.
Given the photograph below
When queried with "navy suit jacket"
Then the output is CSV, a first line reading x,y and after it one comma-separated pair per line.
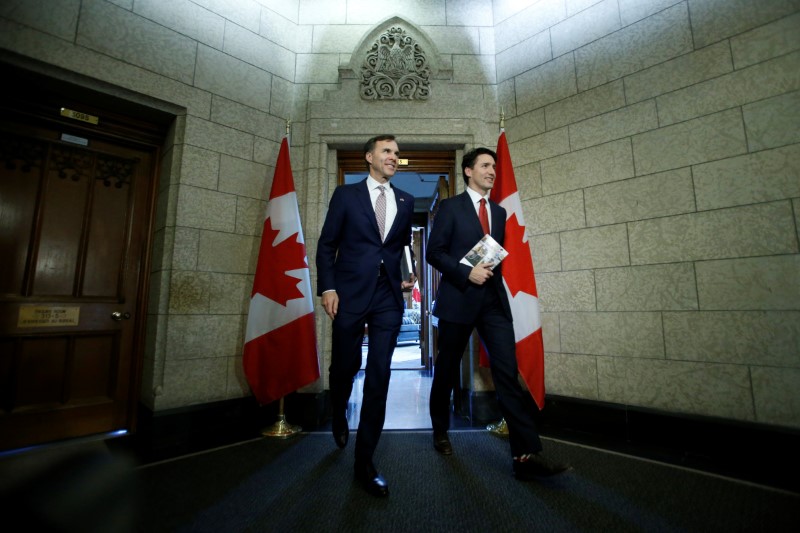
x,y
455,231
350,250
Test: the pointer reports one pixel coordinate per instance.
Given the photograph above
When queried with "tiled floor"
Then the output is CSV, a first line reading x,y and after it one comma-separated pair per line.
x,y
407,356
409,393
409,390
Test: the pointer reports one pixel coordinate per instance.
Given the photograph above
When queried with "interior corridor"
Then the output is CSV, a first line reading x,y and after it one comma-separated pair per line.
x,y
409,390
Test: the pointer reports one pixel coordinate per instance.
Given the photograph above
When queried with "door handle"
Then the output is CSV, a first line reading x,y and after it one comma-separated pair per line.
x,y
116,315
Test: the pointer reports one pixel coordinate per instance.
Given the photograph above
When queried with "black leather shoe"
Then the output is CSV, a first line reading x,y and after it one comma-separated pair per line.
x,y
538,466
370,479
441,442
341,432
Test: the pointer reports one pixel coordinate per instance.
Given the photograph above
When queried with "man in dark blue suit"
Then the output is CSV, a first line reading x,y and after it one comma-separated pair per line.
x,y
474,298
359,278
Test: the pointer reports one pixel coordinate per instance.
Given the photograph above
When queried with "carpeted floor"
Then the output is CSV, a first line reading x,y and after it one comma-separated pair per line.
x,y
305,483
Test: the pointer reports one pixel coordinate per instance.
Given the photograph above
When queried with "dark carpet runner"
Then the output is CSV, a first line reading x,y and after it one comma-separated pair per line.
x,y
305,483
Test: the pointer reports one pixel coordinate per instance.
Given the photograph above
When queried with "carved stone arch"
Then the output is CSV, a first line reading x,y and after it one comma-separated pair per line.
x,y
395,60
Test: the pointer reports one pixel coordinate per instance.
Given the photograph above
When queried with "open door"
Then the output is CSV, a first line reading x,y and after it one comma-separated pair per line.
x,y
443,191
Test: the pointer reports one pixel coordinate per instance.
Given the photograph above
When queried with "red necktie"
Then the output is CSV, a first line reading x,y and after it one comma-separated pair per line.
x,y
484,216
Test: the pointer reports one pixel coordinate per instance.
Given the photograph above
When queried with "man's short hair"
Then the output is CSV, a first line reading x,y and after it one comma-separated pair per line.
x,y
370,145
468,161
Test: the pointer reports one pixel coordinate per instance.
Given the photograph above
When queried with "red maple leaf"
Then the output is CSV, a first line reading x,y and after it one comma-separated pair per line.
x,y
274,260
518,266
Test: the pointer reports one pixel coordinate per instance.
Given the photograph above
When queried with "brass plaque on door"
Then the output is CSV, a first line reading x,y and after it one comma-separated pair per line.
x,y
77,115
36,316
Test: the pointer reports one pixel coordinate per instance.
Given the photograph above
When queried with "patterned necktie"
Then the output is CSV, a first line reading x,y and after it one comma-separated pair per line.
x,y
380,210
484,216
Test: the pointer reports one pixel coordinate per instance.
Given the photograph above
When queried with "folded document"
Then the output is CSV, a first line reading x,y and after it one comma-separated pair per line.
x,y
486,250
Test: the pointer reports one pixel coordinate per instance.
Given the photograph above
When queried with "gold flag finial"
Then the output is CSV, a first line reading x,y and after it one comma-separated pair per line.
x,y
288,125
502,118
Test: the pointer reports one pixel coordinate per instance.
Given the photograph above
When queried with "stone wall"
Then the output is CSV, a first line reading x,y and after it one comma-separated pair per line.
x,y
659,145
655,146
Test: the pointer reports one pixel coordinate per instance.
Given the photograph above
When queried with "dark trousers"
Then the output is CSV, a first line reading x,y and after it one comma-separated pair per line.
x,y
497,333
383,318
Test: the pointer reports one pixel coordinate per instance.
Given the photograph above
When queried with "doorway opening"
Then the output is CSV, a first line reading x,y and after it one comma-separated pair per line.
x,y
428,176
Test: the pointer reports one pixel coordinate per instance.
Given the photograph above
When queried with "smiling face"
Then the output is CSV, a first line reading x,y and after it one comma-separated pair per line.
x,y
383,160
481,175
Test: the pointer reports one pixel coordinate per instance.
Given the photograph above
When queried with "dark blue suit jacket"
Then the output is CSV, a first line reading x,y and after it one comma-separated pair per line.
x,y
350,251
455,231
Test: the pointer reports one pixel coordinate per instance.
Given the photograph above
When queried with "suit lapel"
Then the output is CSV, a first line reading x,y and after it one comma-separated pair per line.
x,y
475,223
497,220
366,204
471,215
400,202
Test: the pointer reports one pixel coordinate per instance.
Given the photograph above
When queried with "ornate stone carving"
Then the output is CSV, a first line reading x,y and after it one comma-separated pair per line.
x,y
395,68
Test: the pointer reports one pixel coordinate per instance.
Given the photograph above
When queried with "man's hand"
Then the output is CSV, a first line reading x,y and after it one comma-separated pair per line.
x,y
330,301
481,273
407,285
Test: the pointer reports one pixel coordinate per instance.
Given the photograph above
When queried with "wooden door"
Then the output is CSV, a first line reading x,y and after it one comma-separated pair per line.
x,y
74,224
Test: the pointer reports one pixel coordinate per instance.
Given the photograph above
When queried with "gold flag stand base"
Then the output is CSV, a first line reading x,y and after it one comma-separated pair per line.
x,y
500,429
281,429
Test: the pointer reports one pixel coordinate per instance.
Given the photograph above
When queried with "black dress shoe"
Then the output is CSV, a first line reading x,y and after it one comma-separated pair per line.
x,y
341,433
538,466
370,479
441,443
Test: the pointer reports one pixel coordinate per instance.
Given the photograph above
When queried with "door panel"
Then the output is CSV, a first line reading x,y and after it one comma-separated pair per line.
x,y
74,236
18,203
107,230
65,180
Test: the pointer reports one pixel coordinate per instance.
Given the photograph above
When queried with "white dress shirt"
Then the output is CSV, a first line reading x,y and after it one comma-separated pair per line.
x,y
391,203
476,203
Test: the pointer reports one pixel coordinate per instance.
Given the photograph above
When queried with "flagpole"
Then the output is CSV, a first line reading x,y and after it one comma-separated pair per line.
x,y
500,428
281,428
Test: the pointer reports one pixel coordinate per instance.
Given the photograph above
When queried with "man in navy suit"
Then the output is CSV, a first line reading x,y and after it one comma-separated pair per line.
x,y
474,297
359,278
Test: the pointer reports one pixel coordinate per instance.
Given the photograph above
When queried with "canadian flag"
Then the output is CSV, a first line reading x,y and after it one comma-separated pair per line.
x,y
280,350
518,277
416,296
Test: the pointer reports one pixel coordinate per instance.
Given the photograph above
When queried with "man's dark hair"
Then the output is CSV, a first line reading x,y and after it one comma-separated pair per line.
x,y
468,161
370,145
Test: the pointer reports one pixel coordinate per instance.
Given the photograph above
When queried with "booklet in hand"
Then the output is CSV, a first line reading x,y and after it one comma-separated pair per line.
x,y
406,264
486,250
